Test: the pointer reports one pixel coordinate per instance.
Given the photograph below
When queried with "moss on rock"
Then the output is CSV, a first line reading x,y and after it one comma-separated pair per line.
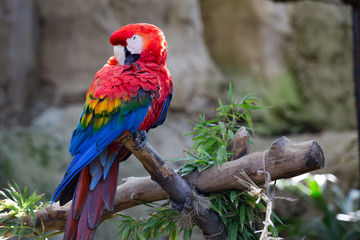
x,y
32,157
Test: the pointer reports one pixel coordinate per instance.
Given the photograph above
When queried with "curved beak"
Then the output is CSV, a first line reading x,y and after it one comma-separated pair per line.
x,y
130,58
123,56
119,53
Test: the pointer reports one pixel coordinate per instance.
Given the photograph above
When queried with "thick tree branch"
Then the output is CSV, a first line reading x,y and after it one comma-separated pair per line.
x,y
284,159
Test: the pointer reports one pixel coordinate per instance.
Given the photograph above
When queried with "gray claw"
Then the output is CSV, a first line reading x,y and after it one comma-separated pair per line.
x,y
140,139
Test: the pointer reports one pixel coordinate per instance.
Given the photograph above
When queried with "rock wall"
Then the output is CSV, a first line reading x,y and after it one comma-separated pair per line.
x,y
287,54
18,60
320,57
296,57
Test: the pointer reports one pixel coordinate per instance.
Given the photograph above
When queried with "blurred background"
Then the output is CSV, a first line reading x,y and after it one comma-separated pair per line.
x,y
296,57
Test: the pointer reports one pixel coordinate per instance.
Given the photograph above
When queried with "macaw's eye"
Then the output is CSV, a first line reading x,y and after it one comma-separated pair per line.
x,y
135,44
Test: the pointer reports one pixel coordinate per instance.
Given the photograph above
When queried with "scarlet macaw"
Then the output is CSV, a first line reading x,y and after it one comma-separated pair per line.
x,y
131,93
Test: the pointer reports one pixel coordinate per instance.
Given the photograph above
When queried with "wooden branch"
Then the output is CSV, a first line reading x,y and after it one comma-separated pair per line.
x,y
284,159
241,143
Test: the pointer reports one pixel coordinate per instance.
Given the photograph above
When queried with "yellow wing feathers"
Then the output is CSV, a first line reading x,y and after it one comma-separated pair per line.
x,y
98,110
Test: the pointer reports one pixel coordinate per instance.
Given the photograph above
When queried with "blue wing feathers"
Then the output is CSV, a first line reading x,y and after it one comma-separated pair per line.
x,y
96,173
108,164
103,157
85,145
163,112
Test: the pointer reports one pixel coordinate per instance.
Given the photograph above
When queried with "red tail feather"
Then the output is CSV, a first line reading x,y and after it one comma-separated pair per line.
x,y
81,192
96,204
109,186
77,206
71,226
83,230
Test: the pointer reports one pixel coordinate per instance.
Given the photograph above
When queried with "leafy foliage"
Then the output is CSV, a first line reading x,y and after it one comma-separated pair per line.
x,y
162,222
239,212
214,137
16,206
339,216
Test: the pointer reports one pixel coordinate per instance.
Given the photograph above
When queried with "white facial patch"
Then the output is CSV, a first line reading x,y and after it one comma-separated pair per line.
x,y
134,44
119,54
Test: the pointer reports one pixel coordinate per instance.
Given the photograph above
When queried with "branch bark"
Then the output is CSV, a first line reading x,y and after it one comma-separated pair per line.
x,y
241,143
284,159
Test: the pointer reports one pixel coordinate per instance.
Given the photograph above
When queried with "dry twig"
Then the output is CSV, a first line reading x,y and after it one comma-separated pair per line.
x,y
254,190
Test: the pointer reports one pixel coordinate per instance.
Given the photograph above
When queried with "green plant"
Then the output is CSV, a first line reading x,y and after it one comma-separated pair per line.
x,y
16,206
239,212
161,222
214,137
339,215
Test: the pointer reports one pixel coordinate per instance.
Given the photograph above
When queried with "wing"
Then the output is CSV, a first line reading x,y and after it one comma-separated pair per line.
x,y
164,111
116,103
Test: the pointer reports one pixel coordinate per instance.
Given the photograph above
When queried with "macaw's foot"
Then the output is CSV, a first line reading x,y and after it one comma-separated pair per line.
x,y
176,205
140,139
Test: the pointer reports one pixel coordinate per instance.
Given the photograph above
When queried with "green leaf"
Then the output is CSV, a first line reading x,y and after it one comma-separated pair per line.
x,y
222,128
213,207
231,134
3,231
15,227
32,215
208,145
220,103
276,217
139,236
3,194
314,187
21,232
245,233
221,155
230,93
274,231
233,231
125,234
242,215
201,151
173,234
249,213
187,234
232,196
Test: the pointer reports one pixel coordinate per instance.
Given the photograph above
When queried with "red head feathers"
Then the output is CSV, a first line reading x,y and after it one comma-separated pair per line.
x,y
153,45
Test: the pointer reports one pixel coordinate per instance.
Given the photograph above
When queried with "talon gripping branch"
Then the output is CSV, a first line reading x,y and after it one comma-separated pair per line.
x,y
131,93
